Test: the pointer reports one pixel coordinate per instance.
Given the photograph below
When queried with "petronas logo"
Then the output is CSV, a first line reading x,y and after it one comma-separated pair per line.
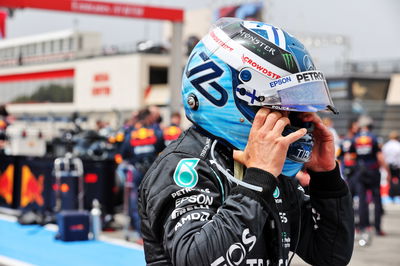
x,y
185,174
276,193
289,61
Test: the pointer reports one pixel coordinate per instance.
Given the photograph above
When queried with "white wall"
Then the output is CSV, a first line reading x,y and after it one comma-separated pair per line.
x,y
121,81
121,77
393,96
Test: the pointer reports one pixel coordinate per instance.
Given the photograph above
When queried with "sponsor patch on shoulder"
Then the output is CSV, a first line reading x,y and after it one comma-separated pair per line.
x,y
276,193
185,174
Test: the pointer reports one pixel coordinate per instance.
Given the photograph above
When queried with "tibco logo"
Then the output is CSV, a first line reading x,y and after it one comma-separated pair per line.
x,y
249,61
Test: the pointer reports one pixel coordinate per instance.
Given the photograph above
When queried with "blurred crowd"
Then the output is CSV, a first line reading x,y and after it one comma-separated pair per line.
x,y
3,125
133,146
139,141
369,164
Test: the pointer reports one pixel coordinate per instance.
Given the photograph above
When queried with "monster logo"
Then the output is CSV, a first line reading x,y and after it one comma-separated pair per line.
x,y
289,61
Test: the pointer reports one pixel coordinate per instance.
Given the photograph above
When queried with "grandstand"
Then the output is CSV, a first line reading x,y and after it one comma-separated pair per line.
x,y
375,94
49,47
58,73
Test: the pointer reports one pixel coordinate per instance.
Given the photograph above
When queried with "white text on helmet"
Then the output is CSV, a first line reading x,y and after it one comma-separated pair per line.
x,y
280,81
309,76
260,68
257,42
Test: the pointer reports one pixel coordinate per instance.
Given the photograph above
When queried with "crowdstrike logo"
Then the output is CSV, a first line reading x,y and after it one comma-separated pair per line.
x,y
262,69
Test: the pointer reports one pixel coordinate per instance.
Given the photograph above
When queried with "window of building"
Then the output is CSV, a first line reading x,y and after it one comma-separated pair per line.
x,y
61,44
51,47
70,44
37,91
24,50
80,42
158,75
32,49
339,88
48,47
2,53
370,89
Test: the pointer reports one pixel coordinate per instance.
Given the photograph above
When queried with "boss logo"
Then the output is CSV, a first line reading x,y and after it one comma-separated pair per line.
x,y
237,252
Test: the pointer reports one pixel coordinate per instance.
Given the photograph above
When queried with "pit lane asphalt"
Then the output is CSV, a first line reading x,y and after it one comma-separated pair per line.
x,y
383,251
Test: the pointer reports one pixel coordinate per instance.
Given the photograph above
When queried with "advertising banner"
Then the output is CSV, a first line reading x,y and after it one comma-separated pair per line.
x,y
99,178
36,191
127,10
248,11
7,181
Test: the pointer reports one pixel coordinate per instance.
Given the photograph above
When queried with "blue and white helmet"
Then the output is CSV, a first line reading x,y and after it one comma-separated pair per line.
x,y
240,66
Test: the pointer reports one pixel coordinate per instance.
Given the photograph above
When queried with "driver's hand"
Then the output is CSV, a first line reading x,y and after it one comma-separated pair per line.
x,y
266,148
323,152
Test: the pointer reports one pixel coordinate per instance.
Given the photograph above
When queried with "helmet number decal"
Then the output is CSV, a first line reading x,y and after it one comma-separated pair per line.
x,y
212,71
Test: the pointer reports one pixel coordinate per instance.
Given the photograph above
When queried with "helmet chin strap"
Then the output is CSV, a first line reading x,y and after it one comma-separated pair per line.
x,y
291,168
230,177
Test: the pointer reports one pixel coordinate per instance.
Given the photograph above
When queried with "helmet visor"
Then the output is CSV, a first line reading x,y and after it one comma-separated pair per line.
x,y
303,92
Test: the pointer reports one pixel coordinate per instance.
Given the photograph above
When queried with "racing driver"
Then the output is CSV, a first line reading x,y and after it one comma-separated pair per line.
x,y
224,193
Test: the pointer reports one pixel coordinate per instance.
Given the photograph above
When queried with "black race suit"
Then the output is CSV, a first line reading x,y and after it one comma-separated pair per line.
x,y
193,215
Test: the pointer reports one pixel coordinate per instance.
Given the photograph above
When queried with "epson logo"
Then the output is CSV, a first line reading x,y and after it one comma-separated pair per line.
x,y
198,199
256,41
280,81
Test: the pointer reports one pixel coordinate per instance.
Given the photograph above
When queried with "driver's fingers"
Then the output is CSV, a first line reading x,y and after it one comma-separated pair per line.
x,y
281,124
310,117
271,120
260,118
292,137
